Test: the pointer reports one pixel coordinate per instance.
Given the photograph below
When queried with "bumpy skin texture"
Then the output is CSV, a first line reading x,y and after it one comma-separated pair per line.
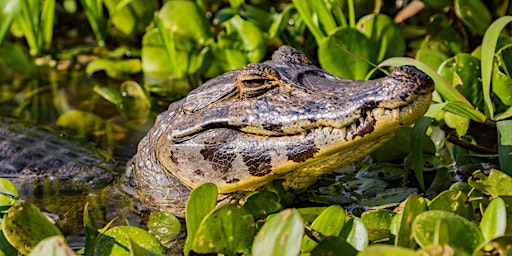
x,y
31,152
281,119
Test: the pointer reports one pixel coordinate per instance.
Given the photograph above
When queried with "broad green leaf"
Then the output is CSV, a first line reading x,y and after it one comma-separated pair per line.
x,y
457,122
130,17
119,69
8,193
280,235
136,249
494,219
454,201
505,145
488,48
432,58
385,33
414,205
110,94
80,121
116,241
356,233
25,226
262,203
442,36
387,250
462,233
377,223
347,53
397,149
164,226
229,230
382,170
55,246
502,86
496,183
328,223
201,202
474,14
388,198
309,214
334,245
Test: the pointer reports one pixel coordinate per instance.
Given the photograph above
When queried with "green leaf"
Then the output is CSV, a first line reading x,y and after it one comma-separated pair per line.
x,y
454,201
414,205
80,121
164,226
334,245
91,233
13,56
381,29
229,230
457,122
328,223
8,193
305,12
494,219
488,48
201,202
504,128
262,203
495,184
116,241
55,246
377,223
25,226
355,233
280,235
474,14
130,17
387,250
136,105
119,69
430,57
502,86
347,53
460,233
417,138
9,9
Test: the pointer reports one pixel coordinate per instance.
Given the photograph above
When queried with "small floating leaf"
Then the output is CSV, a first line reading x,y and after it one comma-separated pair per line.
x,y
164,225
262,203
454,201
116,241
377,223
280,235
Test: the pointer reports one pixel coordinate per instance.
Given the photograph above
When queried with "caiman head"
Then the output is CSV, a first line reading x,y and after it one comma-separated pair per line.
x,y
281,119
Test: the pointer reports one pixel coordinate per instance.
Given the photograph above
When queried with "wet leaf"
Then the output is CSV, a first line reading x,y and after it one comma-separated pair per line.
x,y
164,226
414,206
494,219
473,14
333,245
280,235
25,226
381,29
495,184
229,230
328,223
116,241
454,201
201,202
377,223
386,250
381,170
458,231
355,233
392,196
55,246
262,203
119,69
337,53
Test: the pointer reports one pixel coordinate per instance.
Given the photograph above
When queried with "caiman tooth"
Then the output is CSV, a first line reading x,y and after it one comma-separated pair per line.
x,y
382,111
361,120
354,127
396,113
343,132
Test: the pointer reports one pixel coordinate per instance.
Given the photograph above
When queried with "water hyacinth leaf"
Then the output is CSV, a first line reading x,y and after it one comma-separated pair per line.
x,y
425,226
110,94
386,250
346,53
25,226
309,214
164,226
496,183
130,17
118,69
388,198
355,233
381,29
414,205
328,223
454,201
505,145
377,223
334,245
457,122
432,58
116,241
8,193
494,219
474,14
80,121
202,200
262,203
55,246
502,86
463,72
229,230
383,170
136,250
281,235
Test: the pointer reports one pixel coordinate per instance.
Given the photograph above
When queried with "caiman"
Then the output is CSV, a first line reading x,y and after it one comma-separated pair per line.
x,y
35,153
282,119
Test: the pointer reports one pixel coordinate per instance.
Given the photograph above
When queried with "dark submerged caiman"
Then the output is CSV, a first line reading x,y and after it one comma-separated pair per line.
x,y
35,153
281,119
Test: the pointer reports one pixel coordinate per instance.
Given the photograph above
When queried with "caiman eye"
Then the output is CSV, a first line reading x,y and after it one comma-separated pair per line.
x,y
255,83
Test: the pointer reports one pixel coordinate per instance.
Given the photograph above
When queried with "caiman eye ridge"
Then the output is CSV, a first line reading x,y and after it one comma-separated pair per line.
x,y
284,119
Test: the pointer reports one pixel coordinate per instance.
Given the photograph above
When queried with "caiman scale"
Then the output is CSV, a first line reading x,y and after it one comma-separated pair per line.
x,y
281,119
